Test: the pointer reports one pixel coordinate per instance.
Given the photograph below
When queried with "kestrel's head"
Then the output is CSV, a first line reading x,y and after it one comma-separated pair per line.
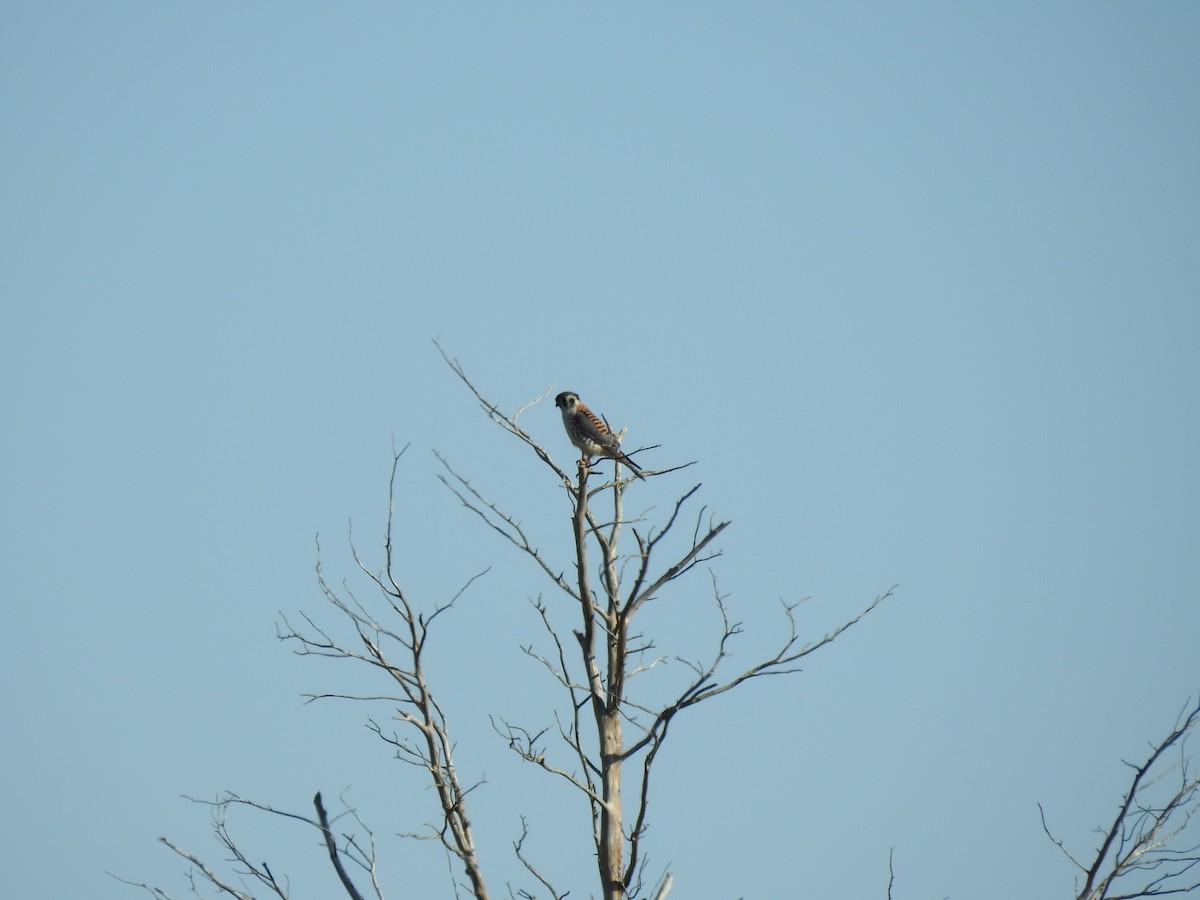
x,y
567,401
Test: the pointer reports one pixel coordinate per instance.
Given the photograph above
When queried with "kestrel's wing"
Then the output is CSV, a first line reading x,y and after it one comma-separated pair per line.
x,y
599,432
591,428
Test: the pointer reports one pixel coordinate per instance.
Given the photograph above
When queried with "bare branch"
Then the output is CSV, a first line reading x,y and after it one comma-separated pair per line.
x,y
508,423
208,873
685,563
352,850
1138,850
152,891
331,846
703,687
518,845
500,522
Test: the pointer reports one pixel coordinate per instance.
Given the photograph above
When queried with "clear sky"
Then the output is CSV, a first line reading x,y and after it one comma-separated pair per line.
x,y
917,285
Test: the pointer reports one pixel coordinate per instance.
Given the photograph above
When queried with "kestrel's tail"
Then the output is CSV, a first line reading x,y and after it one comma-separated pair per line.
x,y
633,467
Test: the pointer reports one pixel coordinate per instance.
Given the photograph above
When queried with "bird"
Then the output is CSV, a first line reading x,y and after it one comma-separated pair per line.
x,y
588,432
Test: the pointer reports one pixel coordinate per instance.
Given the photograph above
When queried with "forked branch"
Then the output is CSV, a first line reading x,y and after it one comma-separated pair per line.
x,y
350,850
1152,846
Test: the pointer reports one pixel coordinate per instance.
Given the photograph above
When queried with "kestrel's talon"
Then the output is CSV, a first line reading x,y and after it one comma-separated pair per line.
x,y
588,432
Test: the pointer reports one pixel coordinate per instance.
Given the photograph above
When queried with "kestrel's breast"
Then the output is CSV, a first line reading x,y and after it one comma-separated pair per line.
x,y
591,447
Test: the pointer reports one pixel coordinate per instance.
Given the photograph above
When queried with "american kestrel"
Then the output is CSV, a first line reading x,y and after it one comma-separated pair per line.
x,y
588,432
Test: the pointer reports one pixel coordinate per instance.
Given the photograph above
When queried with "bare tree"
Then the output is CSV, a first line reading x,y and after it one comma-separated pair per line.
x,y
595,671
1140,853
603,742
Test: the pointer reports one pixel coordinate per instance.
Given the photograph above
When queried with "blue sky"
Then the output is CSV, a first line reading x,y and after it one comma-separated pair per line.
x,y
917,285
